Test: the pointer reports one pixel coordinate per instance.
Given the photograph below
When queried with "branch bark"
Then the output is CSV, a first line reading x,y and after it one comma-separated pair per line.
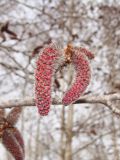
x,y
107,100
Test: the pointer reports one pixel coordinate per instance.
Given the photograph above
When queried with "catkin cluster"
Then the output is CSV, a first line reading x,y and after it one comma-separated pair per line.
x,y
45,70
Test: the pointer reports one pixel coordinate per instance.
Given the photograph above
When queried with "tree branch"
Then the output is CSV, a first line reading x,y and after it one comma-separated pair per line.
x,y
107,100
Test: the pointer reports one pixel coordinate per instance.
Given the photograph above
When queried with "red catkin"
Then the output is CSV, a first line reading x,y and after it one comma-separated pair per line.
x,y
89,54
82,79
45,69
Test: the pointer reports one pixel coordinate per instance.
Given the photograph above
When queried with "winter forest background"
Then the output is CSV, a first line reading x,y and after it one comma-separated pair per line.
x,y
83,131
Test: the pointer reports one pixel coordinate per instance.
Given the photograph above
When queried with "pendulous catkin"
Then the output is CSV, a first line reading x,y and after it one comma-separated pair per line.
x,y
12,144
47,63
81,65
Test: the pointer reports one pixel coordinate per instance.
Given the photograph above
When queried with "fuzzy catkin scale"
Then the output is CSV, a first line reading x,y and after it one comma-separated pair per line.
x,y
47,63
82,79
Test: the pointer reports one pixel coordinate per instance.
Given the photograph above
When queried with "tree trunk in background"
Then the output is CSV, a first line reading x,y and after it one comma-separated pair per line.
x,y
62,141
38,147
69,135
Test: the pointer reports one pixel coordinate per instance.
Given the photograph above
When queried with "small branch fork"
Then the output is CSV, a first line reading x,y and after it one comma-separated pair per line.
x,y
108,100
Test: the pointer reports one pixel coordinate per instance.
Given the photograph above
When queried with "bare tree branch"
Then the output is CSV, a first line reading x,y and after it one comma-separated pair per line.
x,y
107,100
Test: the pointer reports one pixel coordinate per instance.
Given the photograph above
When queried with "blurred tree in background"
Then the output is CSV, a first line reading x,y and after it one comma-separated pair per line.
x,y
80,131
